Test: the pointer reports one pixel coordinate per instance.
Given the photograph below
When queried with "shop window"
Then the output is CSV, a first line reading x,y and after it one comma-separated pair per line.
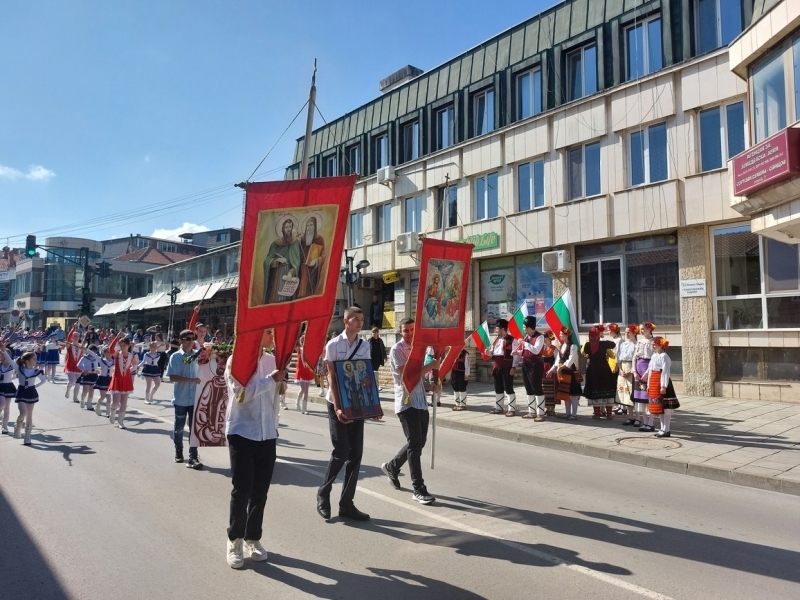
x,y
652,286
446,206
383,223
600,291
486,200
414,213
529,94
445,128
717,23
583,171
582,72
769,97
411,141
507,282
643,48
530,185
758,364
721,135
356,229
483,112
648,155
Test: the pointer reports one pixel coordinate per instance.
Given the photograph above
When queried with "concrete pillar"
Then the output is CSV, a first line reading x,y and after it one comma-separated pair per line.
x,y
697,320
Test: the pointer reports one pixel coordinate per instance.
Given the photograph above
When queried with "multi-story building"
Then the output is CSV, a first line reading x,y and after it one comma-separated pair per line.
x,y
602,129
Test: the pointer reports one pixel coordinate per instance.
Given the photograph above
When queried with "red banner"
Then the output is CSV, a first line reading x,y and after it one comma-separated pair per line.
x,y
441,305
292,243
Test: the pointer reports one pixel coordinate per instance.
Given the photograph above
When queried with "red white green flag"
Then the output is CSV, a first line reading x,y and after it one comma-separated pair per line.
x,y
481,337
562,314
516,326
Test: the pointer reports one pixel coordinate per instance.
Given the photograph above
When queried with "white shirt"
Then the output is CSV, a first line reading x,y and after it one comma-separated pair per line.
x,y
659,362
625,351
252,410
340,349
644,348
498,349
398,357
570,360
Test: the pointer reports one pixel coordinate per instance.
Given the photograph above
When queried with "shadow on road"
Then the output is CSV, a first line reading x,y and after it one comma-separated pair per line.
x,y
50,443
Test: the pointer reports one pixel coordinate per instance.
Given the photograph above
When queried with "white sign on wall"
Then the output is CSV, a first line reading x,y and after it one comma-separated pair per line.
x,y
693,288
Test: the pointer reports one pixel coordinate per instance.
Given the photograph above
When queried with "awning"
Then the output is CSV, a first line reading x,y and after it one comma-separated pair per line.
x,y
112,308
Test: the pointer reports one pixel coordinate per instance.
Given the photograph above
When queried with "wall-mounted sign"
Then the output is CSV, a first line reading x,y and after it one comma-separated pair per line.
x,y
391,277
773,160
693,288
3,275
483,241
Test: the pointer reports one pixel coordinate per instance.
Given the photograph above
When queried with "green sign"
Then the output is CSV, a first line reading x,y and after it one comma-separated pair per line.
x,y
483,241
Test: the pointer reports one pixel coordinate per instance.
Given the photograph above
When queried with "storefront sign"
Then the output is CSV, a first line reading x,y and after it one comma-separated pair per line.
x,y
773,160
391,277
483,241
693,288
3,275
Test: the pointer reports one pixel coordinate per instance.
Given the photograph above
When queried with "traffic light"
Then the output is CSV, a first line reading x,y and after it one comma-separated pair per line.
x,y
103,269
30,246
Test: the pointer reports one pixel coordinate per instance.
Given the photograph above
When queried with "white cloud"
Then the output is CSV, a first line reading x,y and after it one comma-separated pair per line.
x,y
35,173
172,234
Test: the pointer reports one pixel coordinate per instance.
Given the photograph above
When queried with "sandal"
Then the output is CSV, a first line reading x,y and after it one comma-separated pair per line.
x,y
511,413
572,418
495,411
528,416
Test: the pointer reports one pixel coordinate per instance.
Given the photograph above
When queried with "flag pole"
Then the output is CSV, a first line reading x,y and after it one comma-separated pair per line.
x,y
312,98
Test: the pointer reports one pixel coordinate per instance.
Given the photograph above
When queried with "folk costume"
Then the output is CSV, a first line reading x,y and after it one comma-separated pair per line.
x,y
548,355
658,378
625,383
600,386
459,376
533,370
641,362
568,388
504,359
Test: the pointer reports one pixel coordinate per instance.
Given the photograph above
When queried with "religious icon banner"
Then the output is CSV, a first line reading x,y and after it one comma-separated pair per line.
x,y
210,405
441,306
358,389
292,243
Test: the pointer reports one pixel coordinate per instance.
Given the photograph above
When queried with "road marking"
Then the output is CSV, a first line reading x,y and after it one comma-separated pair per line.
x,y
554,560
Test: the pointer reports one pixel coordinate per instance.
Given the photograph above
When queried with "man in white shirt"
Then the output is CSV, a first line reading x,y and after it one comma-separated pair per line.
x,y
347,436
252,431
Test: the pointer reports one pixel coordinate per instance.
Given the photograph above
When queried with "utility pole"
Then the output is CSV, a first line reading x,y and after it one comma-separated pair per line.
x,y
312,100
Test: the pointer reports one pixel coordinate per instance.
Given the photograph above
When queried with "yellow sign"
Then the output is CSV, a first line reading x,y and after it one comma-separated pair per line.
x,y
391,277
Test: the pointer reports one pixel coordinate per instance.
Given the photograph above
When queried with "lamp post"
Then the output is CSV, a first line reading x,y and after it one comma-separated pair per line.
x,y
351,273
173,296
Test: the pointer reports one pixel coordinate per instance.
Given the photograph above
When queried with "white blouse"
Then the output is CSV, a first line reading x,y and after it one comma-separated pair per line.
x,y
625,351
644,349
659,362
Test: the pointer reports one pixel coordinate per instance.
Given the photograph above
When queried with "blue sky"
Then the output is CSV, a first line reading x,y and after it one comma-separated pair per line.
x,y
135,116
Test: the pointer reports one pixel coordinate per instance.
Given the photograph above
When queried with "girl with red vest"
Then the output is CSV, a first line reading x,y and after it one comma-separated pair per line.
x,y
121,385
74,353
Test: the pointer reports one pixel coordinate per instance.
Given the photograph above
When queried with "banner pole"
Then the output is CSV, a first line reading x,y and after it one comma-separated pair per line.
x,y
312,98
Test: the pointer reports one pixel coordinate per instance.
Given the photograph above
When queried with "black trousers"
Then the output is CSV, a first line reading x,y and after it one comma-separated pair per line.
x,y
532,374
415,427
503,380
348,446
252,464
459,381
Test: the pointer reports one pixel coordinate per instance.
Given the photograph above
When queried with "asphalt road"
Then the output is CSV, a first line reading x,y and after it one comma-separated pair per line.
x,y
90,511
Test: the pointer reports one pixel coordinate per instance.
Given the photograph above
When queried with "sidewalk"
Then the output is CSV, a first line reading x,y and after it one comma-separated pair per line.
x,y
745,442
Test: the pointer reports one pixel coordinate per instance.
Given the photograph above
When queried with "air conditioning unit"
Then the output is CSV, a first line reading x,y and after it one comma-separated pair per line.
x,y
386,174
366,283
556,261
406,243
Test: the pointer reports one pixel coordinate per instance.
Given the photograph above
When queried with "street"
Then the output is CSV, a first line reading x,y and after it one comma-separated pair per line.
x,y
91,511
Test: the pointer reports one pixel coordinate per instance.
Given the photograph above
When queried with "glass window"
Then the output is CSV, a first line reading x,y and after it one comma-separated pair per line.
x,y
353,160
648,158
312,170
483,112
717,22
411,141
782,266
446,206
582,72
445,128
644,48
356,229
769,97
734,127
600,291
653,292
736,258
415,210
330,167
486,199
383,223
529,94
381,151
715,146
530,178
583,166
796,64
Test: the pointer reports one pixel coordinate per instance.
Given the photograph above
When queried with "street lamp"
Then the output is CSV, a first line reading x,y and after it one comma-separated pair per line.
x,y
350,274
173,296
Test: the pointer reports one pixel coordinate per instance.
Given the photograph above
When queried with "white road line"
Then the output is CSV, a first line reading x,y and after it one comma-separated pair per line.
x,y
559,562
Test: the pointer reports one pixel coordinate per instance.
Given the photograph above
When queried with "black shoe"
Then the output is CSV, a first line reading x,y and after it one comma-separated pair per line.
x,y
661,434
423,497
394,478
194,463
324,507
628,423
646,428
178,457
351,512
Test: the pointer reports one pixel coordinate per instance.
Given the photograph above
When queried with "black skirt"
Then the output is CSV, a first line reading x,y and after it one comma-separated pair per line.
x,y
8,390
28,395
151,371
89,379
102,383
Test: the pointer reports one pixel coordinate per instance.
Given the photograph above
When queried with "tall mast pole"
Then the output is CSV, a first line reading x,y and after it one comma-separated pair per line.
x,y
312,98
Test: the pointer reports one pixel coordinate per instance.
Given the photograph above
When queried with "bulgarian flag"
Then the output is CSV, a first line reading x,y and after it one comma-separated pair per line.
x,y
562,314
481,337
516,327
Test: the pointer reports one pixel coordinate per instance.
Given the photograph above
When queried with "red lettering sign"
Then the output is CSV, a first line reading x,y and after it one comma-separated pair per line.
x,y
773,160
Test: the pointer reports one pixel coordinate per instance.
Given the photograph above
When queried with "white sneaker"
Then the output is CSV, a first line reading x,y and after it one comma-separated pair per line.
x,y
255,550
235,556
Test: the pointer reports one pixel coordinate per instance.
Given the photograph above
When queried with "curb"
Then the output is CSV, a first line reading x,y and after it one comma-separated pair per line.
x,y
761,482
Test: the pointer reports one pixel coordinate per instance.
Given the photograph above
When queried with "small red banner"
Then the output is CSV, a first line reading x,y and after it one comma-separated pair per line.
x,y
292,243
773,160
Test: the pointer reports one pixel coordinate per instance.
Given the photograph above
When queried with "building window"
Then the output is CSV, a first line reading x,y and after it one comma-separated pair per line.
x,y
381,149
583,166
509,281
356,229
483,112
312,170
446,206
582,72
224,237
167,247
486,204
721,135
717,22
411,141
330,167
445,128
353,161
643,48
383,223
648,156
530,178
529,94
141,242
769,97
749,295
415,214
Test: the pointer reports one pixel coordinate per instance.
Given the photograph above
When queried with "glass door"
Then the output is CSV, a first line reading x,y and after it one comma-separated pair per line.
x,y
600,285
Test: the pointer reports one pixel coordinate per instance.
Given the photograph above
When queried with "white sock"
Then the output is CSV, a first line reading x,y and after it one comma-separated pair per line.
x,y
498,401
666,418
